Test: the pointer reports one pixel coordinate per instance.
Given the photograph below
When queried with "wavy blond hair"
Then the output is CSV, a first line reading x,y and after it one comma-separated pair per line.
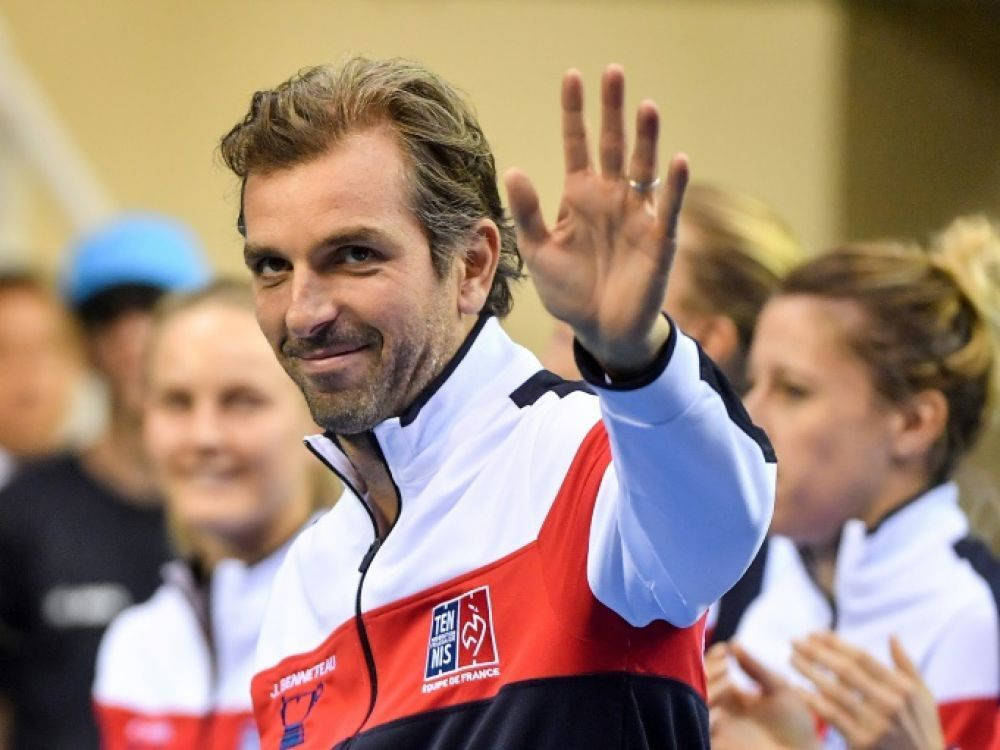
x,y
741,252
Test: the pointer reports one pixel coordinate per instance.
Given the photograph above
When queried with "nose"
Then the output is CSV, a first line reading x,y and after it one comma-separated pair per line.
x,y
312,305
205,428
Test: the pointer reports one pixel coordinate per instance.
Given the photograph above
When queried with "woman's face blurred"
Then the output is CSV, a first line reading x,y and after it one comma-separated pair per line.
x,y
223,426
816,401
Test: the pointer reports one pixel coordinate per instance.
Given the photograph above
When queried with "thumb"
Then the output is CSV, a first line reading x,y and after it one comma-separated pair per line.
x,y
524,207
769,681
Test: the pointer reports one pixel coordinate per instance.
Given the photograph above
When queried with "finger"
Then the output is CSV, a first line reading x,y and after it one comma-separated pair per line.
x,y
902,660
722,692
717,673
642,168
830,713
847,701
524,207
856,669
769,681
671,200
716,669
717,652
574,131
612,147
731,698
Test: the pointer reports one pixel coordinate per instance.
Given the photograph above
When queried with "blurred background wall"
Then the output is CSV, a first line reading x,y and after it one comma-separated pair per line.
x,y
854,119
751,90
921,110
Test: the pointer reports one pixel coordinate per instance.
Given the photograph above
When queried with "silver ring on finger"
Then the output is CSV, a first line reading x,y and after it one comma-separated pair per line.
x,y
642,187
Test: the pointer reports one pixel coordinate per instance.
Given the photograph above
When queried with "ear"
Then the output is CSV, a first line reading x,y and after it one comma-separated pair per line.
x,y
720,339
918,424
477,266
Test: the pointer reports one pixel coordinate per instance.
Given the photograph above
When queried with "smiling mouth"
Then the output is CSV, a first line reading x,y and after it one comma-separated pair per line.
x,y
325,361
325,354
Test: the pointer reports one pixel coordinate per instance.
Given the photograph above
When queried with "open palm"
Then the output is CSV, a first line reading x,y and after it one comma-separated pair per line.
x,y
603,267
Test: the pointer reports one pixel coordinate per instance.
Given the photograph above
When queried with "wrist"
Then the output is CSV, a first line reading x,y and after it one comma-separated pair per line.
x,y
596,373
625,361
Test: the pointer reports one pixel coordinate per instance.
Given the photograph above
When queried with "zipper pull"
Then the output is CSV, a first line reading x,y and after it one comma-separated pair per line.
x,y
369,556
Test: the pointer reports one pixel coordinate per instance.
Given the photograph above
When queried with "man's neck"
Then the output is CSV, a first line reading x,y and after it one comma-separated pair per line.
x,y
379,490
362,450
117,459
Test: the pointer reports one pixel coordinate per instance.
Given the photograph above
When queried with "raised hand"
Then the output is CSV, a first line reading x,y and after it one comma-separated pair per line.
x,y
603,267
871,705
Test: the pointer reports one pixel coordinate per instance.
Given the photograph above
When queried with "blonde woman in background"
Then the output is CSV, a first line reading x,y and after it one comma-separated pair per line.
x,y
223,426
872,372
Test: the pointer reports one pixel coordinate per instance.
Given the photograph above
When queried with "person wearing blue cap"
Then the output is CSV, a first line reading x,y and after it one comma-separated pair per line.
x,y
82,533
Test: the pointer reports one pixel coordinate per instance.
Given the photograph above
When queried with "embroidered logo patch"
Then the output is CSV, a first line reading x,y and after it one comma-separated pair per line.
x,y
461,635
295,710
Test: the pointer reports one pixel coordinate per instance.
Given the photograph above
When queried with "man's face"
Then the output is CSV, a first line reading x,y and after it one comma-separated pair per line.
x,y
39,367
116,351
345,290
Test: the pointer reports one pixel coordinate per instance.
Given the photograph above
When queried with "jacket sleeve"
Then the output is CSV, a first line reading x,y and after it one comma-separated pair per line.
x,y
688,497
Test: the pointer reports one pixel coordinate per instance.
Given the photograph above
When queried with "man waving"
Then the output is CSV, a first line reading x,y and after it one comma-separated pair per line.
x,y
516,561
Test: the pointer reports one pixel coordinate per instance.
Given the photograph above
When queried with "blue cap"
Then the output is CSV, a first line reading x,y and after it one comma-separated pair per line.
x,y
134,249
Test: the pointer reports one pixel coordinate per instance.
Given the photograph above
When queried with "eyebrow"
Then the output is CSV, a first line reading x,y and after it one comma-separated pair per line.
x,y
253,253
349,236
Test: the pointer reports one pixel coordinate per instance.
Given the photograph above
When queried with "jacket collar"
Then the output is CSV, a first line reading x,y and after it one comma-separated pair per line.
x,y
899,555
487,367
930,517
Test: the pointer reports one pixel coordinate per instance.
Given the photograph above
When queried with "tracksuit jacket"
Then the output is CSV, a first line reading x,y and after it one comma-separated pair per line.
x,y
544,583
919,576
173,673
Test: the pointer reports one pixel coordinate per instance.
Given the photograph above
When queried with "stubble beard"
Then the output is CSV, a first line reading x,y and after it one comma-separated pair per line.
x,y
394,381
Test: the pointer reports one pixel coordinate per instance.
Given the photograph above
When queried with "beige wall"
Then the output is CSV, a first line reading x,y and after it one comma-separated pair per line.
x,y
749,89
921,141
852,119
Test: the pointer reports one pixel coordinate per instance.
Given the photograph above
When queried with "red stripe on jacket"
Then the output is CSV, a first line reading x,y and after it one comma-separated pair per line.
x,y
971,724
127,729
544,622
